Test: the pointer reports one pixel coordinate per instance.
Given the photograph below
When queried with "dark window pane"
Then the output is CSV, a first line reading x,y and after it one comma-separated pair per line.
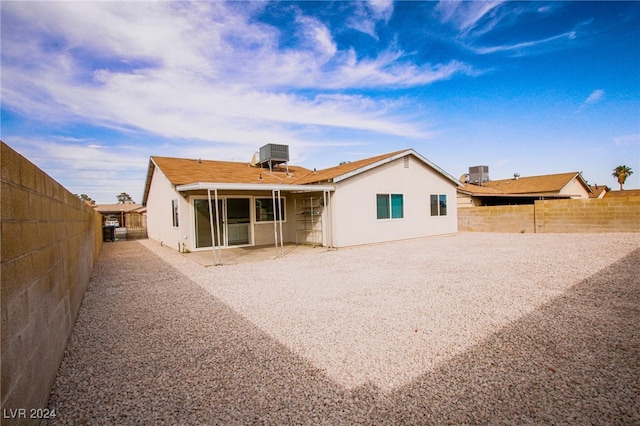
x,y
264,210
434,205
443,205
382,203
397,206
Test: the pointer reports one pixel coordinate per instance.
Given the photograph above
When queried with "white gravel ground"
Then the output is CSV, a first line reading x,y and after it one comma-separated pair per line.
x,y
385,314
471,328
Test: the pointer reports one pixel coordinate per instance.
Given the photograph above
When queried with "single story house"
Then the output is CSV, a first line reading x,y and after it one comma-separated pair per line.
x,y
124,214
524,190
394,196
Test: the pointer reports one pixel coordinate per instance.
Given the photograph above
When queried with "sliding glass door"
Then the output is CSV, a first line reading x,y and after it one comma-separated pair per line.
x,y
234,222
238,221
203,223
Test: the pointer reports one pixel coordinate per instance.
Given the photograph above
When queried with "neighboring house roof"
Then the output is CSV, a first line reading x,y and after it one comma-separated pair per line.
x,y
536,184
192,174
110,208
623,193
598,191
472,189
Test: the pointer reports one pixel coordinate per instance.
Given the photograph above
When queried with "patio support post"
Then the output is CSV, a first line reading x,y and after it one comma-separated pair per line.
x,y
275,225
213,245
218,226
213,239
280,221
327,218
277,210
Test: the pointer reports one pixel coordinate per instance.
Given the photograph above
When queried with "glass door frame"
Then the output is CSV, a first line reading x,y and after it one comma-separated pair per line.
x,y
223,221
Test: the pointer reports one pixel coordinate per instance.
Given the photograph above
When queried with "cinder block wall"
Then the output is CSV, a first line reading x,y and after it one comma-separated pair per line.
x,y
496,219
49,242
620,214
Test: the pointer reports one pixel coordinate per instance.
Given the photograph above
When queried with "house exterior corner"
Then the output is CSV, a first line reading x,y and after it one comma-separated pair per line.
x,y
360,217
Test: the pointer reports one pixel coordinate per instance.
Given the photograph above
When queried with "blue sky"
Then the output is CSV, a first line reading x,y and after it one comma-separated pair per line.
x,y
90,90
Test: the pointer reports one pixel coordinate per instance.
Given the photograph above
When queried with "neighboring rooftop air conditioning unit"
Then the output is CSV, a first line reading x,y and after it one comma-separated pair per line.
x,y
272,154
478,174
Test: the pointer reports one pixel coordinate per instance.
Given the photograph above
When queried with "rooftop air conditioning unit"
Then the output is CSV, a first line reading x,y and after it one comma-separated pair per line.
x,y
272,154
478,174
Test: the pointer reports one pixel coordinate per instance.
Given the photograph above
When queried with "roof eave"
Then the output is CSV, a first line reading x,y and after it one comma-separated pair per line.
x,y
147,184
252,187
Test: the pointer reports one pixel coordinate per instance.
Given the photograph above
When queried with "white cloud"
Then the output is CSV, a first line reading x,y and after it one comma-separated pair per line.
x,y
201,70
84,167
595,97
467,15
368,14
525,46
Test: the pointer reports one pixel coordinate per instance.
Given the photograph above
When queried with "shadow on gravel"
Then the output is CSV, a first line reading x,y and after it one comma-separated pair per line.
x,y
152,347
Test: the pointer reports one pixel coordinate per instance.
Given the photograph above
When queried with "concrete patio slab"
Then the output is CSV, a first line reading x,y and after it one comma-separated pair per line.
x,y
239,255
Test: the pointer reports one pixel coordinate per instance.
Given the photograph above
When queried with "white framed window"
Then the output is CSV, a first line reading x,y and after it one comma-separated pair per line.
x,y
389,206
264,210
438,204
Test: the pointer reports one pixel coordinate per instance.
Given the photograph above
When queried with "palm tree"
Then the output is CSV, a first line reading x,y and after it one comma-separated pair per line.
x,y
622,173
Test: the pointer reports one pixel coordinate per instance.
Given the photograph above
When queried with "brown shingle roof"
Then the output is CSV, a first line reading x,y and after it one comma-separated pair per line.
x,y
623,193
597,190
532,184
333,172
477,189
181,171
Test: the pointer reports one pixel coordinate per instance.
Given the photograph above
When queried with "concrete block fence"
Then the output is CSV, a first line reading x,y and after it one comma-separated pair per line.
x,y
619,214
50,241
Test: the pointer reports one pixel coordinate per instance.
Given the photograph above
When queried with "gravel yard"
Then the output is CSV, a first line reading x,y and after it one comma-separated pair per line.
x,y
471,328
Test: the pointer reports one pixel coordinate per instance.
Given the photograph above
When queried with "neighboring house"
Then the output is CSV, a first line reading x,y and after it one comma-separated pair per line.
x,y
598,191
524,190
395,196
121,215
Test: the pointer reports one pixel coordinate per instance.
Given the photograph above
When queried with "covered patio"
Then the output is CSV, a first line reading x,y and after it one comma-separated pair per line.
x,y
218,232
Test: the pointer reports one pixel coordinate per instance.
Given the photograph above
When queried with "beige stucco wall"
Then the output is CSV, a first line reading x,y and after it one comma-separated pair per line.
x,y
353,204
575,189
159,215
49,241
